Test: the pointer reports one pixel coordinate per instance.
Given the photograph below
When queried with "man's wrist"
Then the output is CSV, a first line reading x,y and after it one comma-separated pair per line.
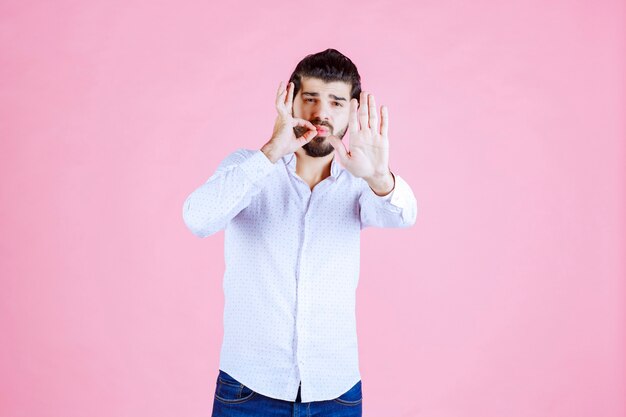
x,y
382,185
269,152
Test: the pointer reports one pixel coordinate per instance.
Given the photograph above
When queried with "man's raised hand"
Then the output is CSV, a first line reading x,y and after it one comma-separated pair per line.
x,y
368,156
284,140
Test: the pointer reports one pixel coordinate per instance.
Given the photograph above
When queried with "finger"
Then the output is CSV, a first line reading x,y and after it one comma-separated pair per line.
x,y
340,148
384,120
286,98
279,95
373,121
363,110
305,123
306,137
290,97
280,86
353,121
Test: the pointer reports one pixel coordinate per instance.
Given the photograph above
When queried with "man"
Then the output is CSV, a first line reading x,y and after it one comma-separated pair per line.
x,y
292,219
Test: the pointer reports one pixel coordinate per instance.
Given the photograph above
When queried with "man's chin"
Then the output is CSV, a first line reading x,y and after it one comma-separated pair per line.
x,y
314,148
318,141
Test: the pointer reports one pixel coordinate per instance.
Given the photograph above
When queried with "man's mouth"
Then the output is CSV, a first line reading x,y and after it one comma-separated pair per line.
x,y
321,129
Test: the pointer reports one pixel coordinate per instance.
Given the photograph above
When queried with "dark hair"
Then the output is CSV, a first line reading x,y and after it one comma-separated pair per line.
x,y
329,65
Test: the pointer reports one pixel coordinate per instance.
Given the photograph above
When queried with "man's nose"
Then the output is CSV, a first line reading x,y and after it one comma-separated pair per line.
x,y
321,111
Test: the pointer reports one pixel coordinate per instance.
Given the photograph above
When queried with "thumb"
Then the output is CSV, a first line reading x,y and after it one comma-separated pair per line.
x,y
340,148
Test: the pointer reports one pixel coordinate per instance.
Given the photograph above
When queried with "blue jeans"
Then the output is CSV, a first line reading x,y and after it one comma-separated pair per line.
x,y
233,399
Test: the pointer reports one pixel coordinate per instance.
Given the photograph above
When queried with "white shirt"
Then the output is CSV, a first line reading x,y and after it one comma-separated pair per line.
x,y
292,268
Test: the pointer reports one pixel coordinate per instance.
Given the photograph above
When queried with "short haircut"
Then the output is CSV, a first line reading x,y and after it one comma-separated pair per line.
x,y
329,65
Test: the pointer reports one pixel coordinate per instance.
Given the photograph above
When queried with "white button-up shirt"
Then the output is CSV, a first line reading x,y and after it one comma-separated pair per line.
x,y
292,268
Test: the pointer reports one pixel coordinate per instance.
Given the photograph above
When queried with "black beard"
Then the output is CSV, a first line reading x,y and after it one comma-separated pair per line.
x,y
316,146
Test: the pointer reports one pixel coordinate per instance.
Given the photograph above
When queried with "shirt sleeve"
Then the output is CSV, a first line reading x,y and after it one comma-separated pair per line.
x,y
396,209
238,178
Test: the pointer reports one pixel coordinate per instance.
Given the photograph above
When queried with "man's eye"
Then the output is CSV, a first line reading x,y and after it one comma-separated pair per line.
x,y
336,103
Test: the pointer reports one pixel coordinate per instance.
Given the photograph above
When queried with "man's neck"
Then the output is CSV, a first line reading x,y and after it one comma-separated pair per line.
x,y
312,169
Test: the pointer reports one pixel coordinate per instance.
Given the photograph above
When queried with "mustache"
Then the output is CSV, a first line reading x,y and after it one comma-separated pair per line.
x,y
301,130
321,123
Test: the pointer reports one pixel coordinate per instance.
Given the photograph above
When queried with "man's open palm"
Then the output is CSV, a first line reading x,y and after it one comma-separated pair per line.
x,y
368,155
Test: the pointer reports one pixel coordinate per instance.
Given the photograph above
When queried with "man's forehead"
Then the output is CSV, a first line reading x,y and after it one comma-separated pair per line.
x,y
316,85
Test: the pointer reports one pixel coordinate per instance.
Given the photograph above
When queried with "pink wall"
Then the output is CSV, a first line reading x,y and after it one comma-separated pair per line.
x,y
507,297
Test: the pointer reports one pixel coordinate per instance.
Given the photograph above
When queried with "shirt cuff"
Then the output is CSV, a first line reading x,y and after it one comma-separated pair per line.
x,y
388,196
402,193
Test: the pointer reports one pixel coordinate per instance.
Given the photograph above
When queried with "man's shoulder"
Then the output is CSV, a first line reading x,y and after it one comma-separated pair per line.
x,y
244,152
240,155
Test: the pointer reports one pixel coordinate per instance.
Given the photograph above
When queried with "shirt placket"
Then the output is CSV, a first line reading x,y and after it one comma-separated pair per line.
x,y
304,303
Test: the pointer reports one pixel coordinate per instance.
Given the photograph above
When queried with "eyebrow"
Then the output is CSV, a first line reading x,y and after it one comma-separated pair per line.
x,y
306,93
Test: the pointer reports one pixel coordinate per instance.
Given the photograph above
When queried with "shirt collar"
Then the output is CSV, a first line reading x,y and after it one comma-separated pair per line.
x,y
290,161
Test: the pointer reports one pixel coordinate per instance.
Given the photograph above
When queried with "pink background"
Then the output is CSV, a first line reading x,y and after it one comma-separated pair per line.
x,y
507,297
